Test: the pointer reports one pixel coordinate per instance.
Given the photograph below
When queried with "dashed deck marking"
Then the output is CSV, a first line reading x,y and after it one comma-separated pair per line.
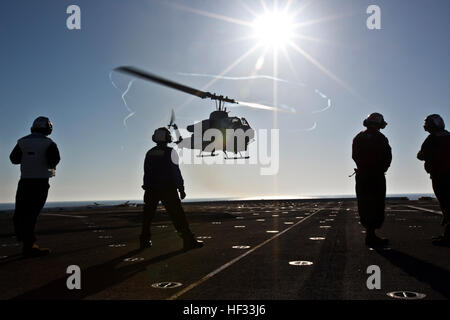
x,y
4,245
137,259
117,245
300,263
166,285
230,263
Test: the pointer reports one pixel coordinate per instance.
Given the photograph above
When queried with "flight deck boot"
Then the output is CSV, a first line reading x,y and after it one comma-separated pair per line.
x,y
145,242
34,251
372,240
190,242
444,240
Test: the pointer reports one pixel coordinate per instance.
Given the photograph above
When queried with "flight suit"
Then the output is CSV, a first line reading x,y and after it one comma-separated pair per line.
x,y
162,179
435,151
372,155
38,156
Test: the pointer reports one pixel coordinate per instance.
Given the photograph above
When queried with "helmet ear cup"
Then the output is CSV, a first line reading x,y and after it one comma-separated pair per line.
x,y
162,135
434,122
42,125
375,120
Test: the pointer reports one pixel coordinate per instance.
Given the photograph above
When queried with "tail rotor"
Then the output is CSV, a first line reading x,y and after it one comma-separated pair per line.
x,y
172,120
173,125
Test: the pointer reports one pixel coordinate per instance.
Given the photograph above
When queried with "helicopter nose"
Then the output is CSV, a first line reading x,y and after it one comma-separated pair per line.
x,y
251,132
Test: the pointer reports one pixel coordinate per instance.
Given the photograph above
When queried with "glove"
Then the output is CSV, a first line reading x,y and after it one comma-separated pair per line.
x,y
182,194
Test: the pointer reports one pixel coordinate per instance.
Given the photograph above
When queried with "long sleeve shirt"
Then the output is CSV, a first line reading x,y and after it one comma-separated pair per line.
x,y
435,151
161,170
371,151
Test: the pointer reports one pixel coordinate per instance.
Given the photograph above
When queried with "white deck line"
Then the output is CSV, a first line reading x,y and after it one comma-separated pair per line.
x,y
228,264
425,209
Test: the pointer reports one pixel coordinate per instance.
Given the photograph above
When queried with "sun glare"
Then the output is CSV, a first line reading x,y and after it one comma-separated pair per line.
x,y
274,29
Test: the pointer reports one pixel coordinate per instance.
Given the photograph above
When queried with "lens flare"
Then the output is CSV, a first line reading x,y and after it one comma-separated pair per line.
x,y
274,29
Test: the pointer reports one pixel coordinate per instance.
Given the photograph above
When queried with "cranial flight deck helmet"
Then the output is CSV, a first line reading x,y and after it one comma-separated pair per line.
x,y
42,125
434,122
375,120
162,135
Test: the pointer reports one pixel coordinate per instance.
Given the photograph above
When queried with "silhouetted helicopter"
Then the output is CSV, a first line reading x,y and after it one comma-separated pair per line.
x,y
236,132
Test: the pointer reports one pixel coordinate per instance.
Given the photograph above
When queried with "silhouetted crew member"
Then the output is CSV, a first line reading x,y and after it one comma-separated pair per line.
x,y
38,156
372,154
435,152
162,179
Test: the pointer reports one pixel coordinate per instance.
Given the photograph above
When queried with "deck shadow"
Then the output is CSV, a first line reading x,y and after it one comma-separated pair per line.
x,y
438,278
94,279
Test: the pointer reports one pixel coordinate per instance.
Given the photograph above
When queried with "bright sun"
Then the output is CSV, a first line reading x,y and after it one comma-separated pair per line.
x,y
274,29
277,28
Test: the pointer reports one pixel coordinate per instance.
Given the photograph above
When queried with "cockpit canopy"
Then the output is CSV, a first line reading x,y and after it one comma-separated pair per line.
x,y
219,121
217,115
236,122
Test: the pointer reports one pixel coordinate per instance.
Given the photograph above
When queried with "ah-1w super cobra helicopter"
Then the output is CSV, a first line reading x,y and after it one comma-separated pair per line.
x,y
231,128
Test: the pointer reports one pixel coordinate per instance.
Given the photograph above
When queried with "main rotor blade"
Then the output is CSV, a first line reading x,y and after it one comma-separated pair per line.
x,y
263,107
201,94
168,83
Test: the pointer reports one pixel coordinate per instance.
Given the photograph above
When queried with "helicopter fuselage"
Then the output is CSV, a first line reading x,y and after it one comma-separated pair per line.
x,y
219,133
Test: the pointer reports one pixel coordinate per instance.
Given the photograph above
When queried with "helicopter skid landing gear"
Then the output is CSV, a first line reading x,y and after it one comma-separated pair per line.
x,y
207,155
235,158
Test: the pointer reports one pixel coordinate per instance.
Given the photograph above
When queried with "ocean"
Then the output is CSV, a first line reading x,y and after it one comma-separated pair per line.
x,y
74,204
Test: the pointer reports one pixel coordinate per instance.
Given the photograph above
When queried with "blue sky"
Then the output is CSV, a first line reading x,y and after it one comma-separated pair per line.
x,y
402,71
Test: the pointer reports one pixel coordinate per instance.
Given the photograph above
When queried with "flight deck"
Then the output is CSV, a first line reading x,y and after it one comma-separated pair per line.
x,y
254,250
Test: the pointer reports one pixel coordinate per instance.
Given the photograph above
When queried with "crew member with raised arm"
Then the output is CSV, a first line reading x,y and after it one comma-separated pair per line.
x,y
162,182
